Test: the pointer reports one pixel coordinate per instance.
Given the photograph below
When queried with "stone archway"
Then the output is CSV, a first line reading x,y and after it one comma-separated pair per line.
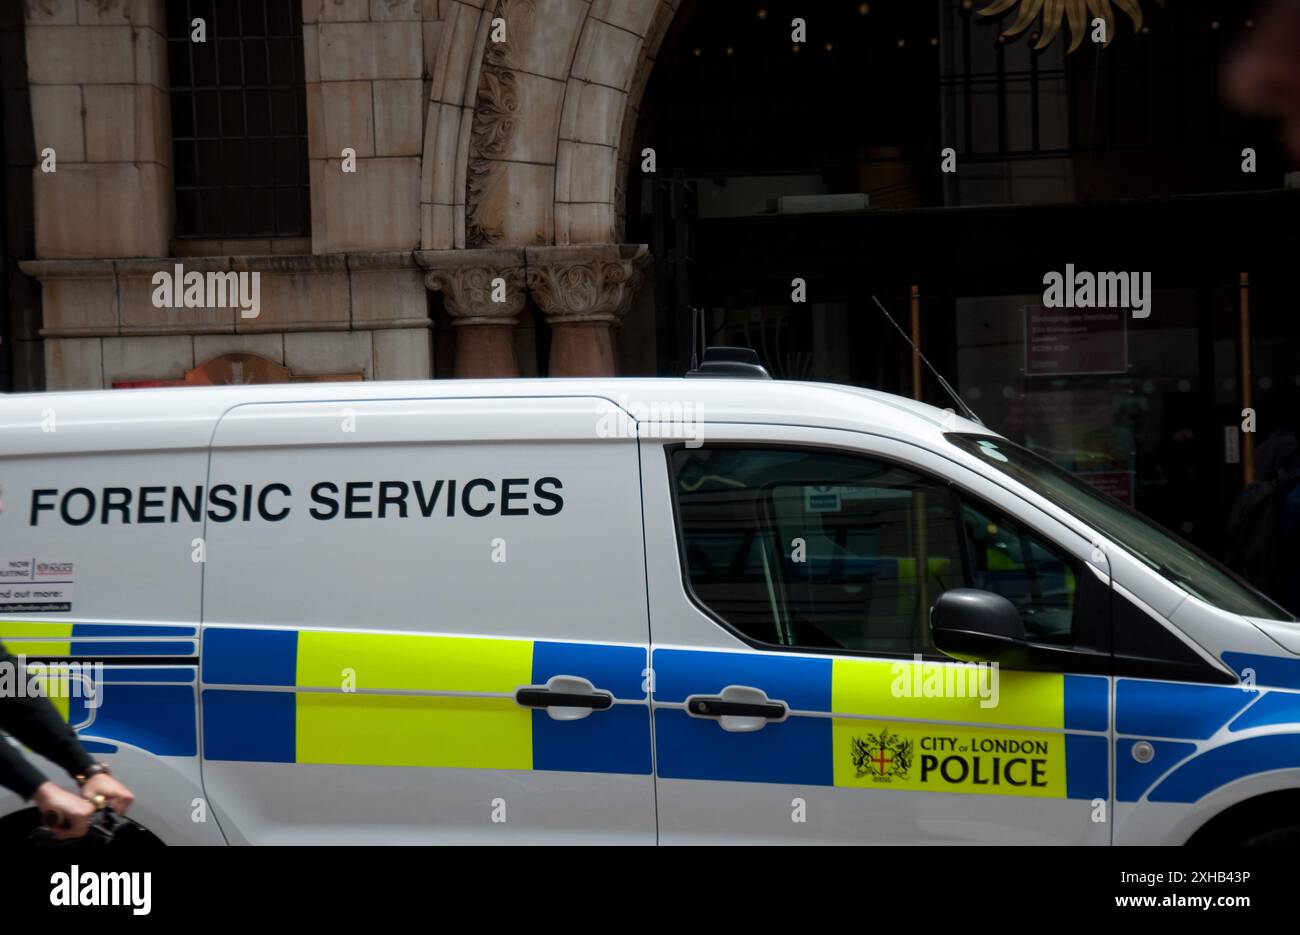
x,y
526,141
526,153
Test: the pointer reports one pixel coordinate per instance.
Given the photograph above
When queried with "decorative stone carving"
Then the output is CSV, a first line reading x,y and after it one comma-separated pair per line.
x,y
583,290
494,113
519,16
468,278
595,283
478,178
485,291
496,110
490,135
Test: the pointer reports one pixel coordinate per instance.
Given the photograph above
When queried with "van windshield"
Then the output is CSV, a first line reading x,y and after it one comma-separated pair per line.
x,y
1178,561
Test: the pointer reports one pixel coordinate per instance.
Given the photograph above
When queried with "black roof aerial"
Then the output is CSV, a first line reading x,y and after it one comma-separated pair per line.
x,y
736,363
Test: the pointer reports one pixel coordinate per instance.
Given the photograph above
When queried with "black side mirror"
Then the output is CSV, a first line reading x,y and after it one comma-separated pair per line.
x,y
977,626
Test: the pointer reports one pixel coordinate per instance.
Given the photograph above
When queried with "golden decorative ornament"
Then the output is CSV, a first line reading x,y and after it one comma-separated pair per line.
x,y
1054,12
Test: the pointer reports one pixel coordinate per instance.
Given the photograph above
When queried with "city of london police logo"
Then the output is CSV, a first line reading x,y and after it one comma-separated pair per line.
x,y
882,756
1009,764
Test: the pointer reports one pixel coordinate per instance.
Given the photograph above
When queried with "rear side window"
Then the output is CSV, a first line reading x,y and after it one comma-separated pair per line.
x,y
812,548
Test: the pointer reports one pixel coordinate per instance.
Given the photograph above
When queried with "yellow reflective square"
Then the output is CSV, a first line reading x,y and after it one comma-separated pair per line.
x,y
413,730
39,628
947,691
41,648
336,659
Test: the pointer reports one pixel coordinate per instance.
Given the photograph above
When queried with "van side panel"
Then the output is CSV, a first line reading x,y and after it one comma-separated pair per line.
x,y
98,570
403,569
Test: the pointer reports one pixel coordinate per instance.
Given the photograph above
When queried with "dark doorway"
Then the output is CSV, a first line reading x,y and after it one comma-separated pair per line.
x,y
754,131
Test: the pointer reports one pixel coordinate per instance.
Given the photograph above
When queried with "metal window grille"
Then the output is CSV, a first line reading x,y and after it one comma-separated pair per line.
x,y
239,119
1156,90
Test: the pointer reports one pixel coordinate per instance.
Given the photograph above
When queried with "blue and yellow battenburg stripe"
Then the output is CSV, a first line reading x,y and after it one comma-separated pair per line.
x,y
419,700
154,708
274,696
1177,719
54,639
860,723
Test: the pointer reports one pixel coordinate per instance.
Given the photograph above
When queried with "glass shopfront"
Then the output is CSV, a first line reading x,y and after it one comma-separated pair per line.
x,y
781,210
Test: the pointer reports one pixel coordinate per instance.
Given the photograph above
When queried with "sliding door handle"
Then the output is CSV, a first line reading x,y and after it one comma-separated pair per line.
x,y
564,698
545,698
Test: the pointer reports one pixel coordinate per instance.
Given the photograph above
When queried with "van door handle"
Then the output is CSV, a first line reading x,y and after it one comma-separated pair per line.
x,y
717,707
738,708
545,698
565,698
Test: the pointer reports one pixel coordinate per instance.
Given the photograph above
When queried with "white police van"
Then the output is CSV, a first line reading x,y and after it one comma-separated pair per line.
x,y
673,610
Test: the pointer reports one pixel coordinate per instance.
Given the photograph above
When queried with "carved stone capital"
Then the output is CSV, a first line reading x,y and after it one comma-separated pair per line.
x,y
481,287
585,283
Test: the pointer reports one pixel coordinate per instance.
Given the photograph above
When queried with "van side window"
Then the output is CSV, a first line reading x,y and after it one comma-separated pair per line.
x,y
817,549
820,549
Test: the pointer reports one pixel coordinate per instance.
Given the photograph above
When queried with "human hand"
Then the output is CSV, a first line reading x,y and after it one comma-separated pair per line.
x,y
73,811
118,796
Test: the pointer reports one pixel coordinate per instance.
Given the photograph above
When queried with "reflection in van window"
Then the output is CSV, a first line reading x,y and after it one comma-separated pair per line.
x,y
1179,562
806,548
1034,576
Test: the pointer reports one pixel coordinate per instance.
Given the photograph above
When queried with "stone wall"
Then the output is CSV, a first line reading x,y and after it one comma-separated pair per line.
x,y
469,152
338,313
98,81
22,294
364,63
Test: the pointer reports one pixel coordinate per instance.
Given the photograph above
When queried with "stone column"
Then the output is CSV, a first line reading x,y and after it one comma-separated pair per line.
x,y
484,292
583,290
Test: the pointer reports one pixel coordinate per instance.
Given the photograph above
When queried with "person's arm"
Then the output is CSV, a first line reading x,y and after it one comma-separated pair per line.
x,y
16,774
36,723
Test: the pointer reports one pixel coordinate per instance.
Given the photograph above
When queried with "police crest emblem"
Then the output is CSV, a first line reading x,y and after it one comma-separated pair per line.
x,y
881,756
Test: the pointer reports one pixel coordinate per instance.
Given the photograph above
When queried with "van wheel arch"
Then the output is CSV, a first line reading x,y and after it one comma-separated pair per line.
x,y
1269,819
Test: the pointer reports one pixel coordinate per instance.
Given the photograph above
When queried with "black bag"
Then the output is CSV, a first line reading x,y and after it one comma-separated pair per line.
x,y
107,827
1254,530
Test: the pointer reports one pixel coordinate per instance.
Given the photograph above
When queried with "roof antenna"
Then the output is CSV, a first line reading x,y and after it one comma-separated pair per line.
x,y
697,331
965,410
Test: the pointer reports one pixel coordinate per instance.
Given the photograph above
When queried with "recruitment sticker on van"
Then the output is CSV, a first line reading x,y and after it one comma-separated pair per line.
x,y
821,499
34,585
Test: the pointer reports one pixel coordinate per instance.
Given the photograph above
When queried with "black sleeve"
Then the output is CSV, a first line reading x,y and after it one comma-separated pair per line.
x,y
34,721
